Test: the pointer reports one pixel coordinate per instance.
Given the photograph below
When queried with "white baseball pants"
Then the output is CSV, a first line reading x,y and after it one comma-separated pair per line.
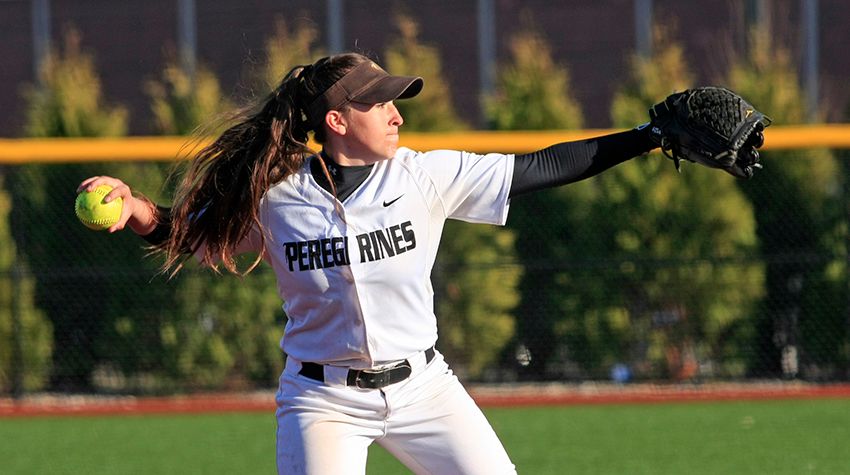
x,y
429,422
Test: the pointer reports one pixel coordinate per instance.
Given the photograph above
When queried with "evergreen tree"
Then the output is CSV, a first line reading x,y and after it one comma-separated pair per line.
x,y
63,255
69,102
181,103
286,49
432,110
533,92
687,289
474,296
224,329
26,340
801,226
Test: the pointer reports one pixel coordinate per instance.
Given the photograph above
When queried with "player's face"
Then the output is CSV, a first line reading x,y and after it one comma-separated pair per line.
x,y
371,132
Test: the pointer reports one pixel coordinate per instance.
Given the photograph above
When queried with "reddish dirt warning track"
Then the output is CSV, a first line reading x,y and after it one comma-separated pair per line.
x,y
541,395
554,394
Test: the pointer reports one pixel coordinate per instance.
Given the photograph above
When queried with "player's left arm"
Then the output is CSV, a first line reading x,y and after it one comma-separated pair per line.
x,y
569,162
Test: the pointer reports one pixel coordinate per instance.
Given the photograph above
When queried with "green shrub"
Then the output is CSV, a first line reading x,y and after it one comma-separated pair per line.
x,y
26,340
532,92
799,210
181,103
432,110
652,207
474,300
286,49
68,102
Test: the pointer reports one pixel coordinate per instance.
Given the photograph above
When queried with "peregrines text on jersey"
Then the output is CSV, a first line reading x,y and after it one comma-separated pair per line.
x,y
334,251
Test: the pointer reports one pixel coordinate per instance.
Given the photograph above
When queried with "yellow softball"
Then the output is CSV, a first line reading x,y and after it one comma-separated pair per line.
x,y
93,212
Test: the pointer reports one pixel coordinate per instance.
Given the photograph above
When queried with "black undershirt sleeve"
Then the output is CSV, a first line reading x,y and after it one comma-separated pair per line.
x,y
569,162
163,227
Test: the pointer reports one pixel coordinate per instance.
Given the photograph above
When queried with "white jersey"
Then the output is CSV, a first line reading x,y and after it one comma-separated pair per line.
x,y
355,276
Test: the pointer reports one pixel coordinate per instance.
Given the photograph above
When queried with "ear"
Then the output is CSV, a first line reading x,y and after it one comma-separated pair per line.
x,y
336,122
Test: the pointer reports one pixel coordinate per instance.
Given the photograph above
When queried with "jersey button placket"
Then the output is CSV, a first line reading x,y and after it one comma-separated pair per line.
x,y
348,274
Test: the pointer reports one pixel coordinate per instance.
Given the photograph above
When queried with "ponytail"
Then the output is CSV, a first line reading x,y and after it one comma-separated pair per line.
x,y
216,204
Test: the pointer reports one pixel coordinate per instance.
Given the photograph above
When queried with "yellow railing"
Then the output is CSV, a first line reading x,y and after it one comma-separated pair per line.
x,y
20,151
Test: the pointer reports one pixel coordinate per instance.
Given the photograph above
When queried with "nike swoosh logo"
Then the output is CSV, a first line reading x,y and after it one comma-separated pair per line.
x,y
387,203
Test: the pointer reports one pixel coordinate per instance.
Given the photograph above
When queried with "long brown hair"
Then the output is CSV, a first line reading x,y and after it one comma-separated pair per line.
x,y
217,198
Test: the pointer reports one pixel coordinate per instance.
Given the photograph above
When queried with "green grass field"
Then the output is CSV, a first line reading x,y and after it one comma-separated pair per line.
x,y
764,437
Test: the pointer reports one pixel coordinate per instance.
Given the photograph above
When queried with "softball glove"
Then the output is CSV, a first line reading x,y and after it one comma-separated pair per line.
x,y
712,126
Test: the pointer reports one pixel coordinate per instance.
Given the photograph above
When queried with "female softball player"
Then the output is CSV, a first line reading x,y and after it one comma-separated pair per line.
x,y
351,233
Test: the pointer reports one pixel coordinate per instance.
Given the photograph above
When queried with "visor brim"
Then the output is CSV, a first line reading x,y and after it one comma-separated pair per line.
x,y
390,88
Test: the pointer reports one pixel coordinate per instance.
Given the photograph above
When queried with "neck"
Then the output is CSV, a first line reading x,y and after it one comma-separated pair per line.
x,y
338,180
348,155
342,158
332,162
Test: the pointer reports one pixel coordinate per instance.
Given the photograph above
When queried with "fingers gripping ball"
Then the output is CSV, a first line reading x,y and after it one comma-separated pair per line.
x,y
93,212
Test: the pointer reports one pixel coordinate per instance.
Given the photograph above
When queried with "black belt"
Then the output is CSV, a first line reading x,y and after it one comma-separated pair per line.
x,y
367,378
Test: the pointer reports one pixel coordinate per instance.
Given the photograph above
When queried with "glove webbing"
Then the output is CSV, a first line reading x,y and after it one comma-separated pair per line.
x,y
717,111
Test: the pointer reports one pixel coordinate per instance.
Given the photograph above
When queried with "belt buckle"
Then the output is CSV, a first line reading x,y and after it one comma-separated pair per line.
x,y
379,379
368,379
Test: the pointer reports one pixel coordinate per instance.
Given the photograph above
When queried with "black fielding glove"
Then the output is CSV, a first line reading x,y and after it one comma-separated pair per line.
x,y
712,126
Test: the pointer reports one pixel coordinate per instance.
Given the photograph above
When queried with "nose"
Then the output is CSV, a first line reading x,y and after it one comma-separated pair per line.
x,y
395,116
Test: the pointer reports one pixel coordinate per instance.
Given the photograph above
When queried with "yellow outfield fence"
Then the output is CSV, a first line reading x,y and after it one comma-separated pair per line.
x,y
62,150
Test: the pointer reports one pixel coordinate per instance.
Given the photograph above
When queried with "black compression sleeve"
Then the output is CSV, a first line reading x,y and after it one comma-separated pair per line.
x,y
163,227
569,162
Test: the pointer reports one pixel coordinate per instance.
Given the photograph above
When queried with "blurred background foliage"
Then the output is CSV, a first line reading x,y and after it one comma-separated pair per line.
x,y
805,256
432,109
532,92
182,101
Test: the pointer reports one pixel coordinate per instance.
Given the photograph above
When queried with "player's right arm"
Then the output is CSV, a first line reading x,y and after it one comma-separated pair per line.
x,y
138,212
149,220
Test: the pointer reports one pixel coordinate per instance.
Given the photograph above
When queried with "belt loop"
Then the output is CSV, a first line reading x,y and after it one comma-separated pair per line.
x,y
429,355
